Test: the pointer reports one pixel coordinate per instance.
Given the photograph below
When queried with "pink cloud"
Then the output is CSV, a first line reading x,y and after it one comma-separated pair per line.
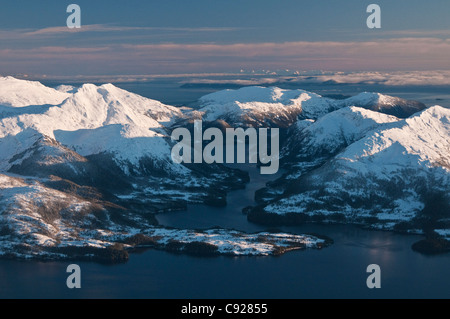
x,y
391,54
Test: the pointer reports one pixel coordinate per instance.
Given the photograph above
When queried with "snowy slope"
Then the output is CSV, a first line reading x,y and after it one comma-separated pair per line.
x,y
423,139
20,93
92,107
383,178
128,145
385,104
333,131
93,120
106,137
40,222
260,106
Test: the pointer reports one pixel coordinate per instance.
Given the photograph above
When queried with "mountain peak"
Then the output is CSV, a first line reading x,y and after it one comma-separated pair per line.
x,y
385,104
252,94
20,93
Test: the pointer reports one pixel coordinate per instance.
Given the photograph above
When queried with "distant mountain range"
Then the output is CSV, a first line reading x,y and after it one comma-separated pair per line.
x,y
84,169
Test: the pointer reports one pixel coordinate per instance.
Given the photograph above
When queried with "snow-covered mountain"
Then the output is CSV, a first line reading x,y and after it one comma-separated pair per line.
x,y
21,93
100,125
261,106
364,167
100,140
84,169
39,221
332,132
384,104
93,120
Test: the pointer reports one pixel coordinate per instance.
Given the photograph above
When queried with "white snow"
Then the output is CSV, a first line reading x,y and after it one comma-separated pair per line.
x,y
338,129
92,120
259,103
422,140
21,93
376,152
444,233
237,243
256,105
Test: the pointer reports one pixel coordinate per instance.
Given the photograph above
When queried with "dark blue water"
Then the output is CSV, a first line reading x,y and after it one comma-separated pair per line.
x,y
335,272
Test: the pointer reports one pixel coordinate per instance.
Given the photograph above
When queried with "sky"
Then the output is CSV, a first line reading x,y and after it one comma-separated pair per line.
x,y
136,37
